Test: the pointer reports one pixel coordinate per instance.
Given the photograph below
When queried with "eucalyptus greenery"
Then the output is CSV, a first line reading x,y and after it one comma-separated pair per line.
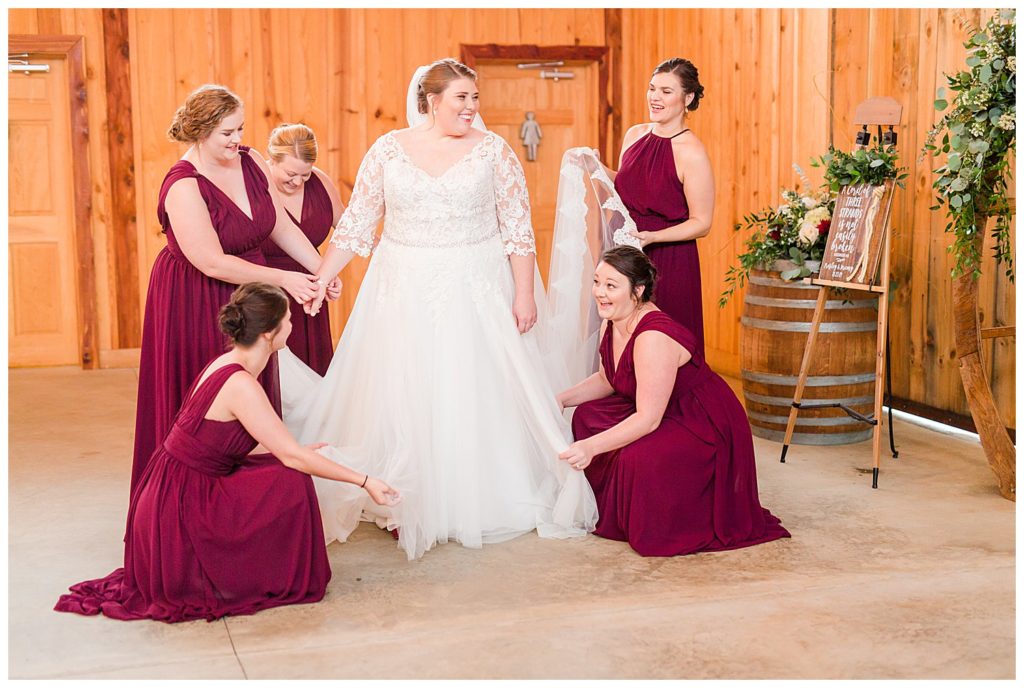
x,y
978,135
863,166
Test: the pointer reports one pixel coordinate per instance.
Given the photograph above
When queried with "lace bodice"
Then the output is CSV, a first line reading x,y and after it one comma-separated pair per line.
x,y
481,196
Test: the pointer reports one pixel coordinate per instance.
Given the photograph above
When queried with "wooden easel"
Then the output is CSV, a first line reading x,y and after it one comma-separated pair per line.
x,y
872,112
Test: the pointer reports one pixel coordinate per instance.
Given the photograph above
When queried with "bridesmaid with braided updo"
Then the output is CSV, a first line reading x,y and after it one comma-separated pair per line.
x,y
313,203
216,207
666,183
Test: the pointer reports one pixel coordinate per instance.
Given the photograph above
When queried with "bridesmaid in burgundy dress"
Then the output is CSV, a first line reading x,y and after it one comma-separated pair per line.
x,y
216,207
213,530
658,160
663,440
313,203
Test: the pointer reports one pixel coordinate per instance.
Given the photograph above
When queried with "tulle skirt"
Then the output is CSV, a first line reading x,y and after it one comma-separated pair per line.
x,y
434,390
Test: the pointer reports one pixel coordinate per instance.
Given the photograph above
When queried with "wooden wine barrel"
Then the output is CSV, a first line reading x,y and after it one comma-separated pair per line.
x,y
776,320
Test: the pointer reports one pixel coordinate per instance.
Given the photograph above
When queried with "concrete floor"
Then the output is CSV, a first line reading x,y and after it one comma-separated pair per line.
x,y
913,580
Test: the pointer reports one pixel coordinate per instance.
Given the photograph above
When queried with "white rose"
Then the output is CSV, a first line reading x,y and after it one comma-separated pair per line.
x,y
808,233
809,202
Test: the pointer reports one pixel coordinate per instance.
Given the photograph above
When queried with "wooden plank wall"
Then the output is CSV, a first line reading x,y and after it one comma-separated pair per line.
x,y
780,84
778,89
343,72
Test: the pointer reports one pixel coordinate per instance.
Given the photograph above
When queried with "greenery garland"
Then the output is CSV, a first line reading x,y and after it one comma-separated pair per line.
x,y
978,136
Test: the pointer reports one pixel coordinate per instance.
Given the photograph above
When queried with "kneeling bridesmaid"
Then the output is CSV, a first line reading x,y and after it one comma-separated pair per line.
x,y
664,442
214,529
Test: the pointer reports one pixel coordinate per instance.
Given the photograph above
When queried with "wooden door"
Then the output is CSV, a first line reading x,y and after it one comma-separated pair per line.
x,y
567,111
42,303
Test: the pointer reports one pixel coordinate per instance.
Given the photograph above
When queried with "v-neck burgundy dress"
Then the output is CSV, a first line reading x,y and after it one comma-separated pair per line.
x,y
650,189
181,333
211,529
310,339
689,486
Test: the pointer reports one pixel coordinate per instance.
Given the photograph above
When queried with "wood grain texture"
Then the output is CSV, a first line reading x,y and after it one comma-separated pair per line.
x,y
121,156
780,85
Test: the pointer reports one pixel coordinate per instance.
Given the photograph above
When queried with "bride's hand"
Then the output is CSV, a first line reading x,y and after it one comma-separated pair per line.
x,y
334,289
524,308
578,455
312,307
316,445
382,493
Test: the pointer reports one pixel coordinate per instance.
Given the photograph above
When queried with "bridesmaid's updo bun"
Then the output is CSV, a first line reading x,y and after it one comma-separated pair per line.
x,y
296,140
636,267
687,75
254,308
202,112
436,79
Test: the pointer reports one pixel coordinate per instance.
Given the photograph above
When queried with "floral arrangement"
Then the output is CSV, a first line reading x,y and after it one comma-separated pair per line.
x,y
978,135
796,232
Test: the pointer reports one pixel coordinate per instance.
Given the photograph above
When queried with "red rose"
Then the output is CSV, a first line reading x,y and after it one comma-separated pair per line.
x,y
823,227
774,235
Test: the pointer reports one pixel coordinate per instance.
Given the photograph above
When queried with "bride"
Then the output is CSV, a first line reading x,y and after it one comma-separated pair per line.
x,y
439,385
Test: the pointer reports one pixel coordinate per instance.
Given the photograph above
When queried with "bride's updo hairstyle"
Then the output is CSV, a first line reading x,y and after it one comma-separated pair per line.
x,y
636,267
687,75
254,308
203,110
436,79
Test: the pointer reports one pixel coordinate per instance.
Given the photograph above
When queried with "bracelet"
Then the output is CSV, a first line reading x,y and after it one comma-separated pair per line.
x,y
365,479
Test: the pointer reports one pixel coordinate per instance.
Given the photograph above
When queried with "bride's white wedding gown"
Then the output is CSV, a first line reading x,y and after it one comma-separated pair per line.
x,y
432,387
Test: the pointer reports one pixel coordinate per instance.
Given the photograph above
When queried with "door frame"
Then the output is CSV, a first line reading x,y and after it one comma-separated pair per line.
x,y
471,53
71,48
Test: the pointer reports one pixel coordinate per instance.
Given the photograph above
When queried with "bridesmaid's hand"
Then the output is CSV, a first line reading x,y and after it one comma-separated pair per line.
x,y
578,455
316,445
382,493
645,238
524,308
299,286
334,289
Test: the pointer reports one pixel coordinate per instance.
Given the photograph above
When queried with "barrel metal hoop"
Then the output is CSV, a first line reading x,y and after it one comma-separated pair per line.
x,y
812,380
781,284
792,326
814,438
787,401
830,305
803,420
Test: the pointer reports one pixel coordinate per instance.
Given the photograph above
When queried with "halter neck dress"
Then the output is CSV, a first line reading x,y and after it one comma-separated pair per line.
x,y
649,187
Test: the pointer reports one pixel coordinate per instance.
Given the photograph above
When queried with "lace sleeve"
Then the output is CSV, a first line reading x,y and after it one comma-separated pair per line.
x,y
513,203
366,206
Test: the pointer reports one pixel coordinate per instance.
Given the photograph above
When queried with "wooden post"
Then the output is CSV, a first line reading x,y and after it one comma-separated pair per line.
x,y
883,321
805,368
995,441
